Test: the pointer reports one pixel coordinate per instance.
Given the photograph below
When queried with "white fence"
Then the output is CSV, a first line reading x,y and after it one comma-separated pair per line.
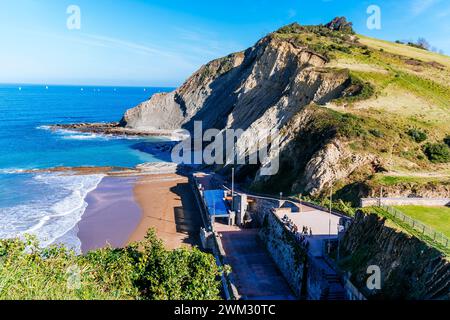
x,y
404,201
436,236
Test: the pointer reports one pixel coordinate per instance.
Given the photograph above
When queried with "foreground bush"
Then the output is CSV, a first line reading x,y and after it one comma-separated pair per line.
x,y
145,270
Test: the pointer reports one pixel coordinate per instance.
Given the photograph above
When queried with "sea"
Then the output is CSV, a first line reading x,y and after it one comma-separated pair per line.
x,y
49,205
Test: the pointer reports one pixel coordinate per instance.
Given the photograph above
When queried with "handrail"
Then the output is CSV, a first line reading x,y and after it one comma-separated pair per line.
x,y
290,199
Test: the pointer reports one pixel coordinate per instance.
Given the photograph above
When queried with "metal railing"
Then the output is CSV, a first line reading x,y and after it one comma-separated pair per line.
x,y
434,235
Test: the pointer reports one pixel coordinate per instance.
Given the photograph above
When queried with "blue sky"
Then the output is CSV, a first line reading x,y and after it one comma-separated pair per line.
x,y
161,42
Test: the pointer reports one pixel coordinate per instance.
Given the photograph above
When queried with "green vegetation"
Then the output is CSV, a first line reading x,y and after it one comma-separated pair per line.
x,y
357,90
140,271
417,135
320,39
437,218
447,140
421,43
396,100
437,152
387,180
344,124
376,133
407,229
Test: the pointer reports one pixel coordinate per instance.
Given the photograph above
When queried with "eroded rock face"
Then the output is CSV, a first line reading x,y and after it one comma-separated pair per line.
x,y
147,117
169,111
410,269
260,89
334,162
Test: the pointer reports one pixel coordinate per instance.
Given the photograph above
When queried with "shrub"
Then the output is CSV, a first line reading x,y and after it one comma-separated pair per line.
x,y
417,135
437,152
377,133
447,140
290,28
356,90
145,270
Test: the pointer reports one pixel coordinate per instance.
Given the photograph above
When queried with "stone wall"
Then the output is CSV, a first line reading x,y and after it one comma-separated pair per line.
x,y
368,202
309,277
284,250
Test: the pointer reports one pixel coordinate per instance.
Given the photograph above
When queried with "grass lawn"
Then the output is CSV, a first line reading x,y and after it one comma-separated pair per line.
x,y
405,50
437,218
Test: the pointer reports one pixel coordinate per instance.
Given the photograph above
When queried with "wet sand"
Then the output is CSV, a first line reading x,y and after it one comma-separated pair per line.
x,y
111,216
122,209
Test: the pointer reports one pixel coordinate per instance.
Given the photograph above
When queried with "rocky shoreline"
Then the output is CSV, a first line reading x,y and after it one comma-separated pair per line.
x,y
151,168
114,128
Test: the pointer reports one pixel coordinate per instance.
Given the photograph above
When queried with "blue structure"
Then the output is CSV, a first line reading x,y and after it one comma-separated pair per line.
x,y
215,203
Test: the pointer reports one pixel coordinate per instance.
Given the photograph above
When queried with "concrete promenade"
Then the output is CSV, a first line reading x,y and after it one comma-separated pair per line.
x,y
254,273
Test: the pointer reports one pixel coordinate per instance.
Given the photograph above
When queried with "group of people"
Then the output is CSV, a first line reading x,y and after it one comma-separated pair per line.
x,y
300,236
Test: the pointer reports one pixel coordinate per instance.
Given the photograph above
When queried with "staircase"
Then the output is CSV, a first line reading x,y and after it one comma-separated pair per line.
x,y
334,290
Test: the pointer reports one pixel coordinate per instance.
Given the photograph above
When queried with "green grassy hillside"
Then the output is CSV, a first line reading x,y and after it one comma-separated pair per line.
x,y
397,106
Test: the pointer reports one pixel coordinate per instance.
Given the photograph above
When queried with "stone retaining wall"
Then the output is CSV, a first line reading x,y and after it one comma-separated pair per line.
x,y
285,252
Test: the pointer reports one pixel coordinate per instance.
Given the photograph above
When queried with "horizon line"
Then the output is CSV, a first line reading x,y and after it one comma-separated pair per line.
x,y
83,85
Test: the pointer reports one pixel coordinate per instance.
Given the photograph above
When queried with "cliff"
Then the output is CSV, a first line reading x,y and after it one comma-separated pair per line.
x,y
410,269
325,89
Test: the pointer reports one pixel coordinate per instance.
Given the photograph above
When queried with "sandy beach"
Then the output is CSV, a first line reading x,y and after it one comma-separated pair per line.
x,y
121,210
168,205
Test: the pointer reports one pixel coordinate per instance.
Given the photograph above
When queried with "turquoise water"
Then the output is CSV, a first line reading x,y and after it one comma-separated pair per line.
x,y
50,205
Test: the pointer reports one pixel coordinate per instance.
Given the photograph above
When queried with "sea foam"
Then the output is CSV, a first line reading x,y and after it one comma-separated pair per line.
x,y
52,219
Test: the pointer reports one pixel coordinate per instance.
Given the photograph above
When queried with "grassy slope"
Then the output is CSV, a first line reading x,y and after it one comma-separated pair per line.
x,y
436,217
407,229
405,50
410,90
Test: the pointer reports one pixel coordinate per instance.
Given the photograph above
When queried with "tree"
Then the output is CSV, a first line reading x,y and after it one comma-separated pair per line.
x,y
423,43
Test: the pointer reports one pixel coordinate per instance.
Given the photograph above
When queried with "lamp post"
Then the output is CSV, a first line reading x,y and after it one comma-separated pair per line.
x,y
232,189
381,196
338,246
329,220
300,200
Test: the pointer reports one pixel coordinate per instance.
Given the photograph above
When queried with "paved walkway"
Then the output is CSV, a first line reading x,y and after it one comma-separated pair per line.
x,y
255,274
323,225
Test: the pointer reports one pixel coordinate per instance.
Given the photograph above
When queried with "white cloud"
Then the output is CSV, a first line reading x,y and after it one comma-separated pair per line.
x,y
118,43
291,13
420,6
